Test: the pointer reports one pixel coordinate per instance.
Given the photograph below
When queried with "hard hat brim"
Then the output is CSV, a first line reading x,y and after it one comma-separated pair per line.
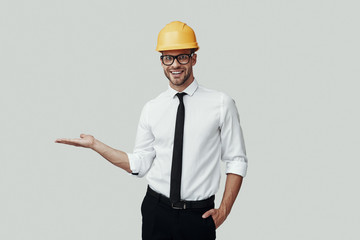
x,y
178,47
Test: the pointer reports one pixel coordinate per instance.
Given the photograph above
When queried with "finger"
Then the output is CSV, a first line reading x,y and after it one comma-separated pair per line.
x,y
74,142
208,213
82,135
61,140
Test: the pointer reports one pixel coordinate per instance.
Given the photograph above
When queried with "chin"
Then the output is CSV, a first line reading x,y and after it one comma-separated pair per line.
x,y
178,83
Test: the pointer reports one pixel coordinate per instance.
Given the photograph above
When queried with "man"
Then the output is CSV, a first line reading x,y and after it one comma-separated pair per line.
x,y
182,136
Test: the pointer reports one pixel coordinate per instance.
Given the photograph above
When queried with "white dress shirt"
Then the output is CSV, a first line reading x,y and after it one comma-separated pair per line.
x,y
212,132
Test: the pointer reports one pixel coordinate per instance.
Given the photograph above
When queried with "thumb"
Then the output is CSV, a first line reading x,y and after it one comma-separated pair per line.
x,y
208,213
82,135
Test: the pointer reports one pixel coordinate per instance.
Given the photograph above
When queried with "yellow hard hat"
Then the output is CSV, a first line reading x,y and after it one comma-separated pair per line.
x,y
176,35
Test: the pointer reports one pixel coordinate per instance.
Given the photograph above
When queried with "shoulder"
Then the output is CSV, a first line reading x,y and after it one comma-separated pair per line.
x,y
222,97
225,103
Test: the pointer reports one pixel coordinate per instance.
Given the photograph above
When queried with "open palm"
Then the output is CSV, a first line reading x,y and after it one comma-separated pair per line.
x,y
85,140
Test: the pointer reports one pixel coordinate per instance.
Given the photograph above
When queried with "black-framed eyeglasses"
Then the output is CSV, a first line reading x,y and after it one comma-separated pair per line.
x,y
182,59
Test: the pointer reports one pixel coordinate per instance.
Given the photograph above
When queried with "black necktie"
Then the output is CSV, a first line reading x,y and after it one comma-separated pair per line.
x,y
176,167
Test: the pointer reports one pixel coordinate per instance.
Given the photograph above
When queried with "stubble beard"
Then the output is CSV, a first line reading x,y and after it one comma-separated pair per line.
x,y
183,81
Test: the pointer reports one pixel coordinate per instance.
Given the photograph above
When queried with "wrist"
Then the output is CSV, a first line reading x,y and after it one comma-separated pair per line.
x,y
224,210
94,145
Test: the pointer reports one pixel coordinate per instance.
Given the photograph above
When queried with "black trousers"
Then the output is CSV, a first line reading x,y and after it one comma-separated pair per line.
x,y
161,222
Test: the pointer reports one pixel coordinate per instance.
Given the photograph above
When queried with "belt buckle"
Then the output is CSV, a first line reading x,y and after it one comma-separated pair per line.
x,y
183,205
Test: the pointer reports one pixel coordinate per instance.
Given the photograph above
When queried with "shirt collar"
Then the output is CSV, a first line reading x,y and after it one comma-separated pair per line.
x,y
190,90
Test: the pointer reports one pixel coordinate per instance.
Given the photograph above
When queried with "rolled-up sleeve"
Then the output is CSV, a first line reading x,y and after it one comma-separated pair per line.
x,y
233,151
144,153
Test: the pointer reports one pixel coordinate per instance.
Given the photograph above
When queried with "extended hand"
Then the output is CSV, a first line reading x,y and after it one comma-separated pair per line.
x,y
218,216
86,141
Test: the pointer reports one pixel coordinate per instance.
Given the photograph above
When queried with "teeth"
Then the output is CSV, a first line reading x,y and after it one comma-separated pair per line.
x,y
176,72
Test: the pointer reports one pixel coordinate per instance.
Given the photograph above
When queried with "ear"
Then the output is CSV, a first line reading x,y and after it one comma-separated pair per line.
x,y
194,59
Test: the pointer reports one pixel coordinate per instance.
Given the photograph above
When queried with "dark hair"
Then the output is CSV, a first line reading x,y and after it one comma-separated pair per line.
x,y
192,50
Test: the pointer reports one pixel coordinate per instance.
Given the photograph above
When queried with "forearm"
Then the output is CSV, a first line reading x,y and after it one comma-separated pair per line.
x,y
116,157
232,188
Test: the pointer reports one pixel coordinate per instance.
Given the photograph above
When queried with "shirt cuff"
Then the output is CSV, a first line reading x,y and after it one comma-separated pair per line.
x,y
135,163
237,166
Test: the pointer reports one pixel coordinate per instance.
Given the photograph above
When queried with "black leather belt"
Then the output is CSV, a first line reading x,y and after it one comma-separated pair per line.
x,y
182,204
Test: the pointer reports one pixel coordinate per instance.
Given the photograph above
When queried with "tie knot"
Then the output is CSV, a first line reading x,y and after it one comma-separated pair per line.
x,y
180,96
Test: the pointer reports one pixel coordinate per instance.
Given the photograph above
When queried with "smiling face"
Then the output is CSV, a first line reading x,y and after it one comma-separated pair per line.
x,y
179,75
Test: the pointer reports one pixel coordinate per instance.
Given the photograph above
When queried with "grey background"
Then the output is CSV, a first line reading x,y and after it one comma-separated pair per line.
x,y
71,67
